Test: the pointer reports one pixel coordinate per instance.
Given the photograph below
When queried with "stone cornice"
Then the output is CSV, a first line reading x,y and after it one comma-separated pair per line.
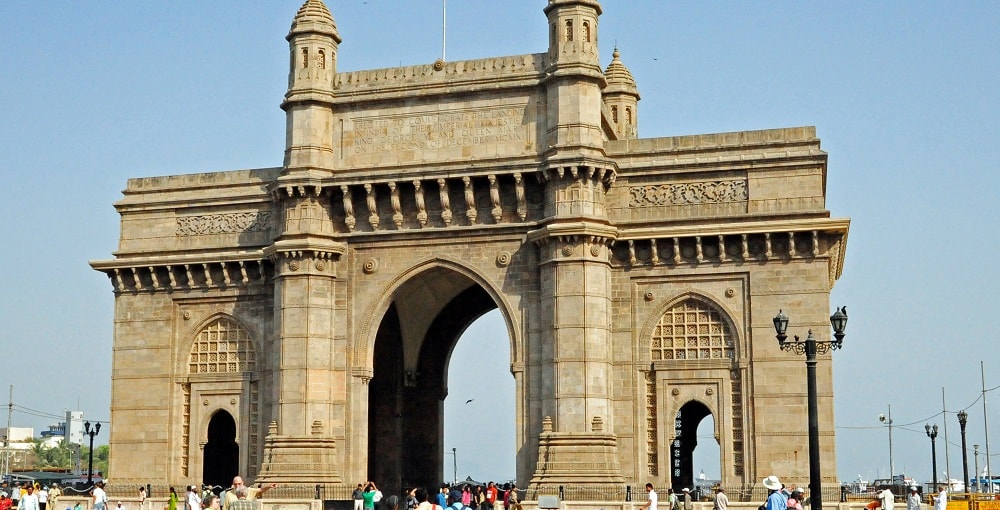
x,y
167,273
735,242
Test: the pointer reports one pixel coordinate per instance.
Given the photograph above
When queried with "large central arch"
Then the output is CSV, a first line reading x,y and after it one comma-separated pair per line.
x,y
426,316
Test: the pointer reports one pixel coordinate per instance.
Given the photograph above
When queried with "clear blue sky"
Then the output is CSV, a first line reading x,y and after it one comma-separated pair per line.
x,y
904,96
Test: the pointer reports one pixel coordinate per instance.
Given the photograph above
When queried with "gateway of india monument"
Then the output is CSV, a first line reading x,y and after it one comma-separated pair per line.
x,y
294,325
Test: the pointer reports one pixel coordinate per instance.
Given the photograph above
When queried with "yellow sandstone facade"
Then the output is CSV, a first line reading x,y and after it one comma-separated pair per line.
x,y
294,324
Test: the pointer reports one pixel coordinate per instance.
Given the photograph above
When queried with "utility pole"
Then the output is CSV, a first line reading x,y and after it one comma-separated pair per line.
x,y
6,438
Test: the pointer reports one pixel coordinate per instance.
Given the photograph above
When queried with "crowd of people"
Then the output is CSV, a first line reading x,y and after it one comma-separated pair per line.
x,y
367,496
28,496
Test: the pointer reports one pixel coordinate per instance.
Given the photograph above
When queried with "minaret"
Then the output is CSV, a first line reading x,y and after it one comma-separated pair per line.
x,y
576,440
300,447
312,43
621,96
574,75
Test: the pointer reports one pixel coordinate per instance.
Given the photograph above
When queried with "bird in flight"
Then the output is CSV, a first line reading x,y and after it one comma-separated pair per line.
x,y
470,400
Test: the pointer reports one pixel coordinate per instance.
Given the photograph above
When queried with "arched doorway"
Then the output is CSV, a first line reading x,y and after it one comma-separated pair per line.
x,y
409,383
685,441
222,453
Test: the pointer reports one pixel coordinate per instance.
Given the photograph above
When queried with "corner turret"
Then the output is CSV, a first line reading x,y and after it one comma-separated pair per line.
x,y
621,98
312,42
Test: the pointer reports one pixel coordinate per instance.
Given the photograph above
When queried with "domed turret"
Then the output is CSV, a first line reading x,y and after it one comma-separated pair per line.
x,y
312,43
621,96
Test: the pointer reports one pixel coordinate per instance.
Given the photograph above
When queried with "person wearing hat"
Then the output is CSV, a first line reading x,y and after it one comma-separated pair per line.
x,y
941,500
775,500
688,505
795,500
455,500
721,500
913,500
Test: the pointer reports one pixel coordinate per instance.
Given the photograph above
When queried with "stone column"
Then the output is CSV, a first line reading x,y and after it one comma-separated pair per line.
x,y
309,393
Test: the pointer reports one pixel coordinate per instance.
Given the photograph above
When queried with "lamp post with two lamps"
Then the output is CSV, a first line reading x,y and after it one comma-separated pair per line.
x,y
932,433
963,418
91,432
811,347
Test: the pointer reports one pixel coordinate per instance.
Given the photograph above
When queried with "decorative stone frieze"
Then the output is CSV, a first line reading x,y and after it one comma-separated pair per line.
x,y
226,223
688,193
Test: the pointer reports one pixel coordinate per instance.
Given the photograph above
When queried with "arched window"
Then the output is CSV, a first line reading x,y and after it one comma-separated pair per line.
x,y
614,114
222,347
628,115
586,31
321,59
569,30
691,330
305,58
552,37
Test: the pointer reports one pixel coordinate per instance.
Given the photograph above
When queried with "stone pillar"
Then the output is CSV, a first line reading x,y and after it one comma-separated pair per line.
x,y
575,332
309,390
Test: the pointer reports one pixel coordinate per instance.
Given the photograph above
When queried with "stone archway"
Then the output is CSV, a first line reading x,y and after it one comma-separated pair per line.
x,y
685,441
406,396
222,453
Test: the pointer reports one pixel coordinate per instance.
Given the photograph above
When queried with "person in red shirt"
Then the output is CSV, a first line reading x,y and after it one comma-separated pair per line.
x,y
491,495
5,502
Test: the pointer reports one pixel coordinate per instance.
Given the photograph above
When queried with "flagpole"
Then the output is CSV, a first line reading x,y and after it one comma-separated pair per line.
x,y
444,28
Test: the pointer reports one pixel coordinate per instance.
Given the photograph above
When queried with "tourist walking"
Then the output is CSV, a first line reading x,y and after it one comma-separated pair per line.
x,y
100,497
29,500
43,497
688,505
775,499
913,500
721,500
172,499
650,503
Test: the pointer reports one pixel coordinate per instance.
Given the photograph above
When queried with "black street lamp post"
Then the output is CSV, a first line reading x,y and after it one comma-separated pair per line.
x,y
91,432
810,347
932,433
963,417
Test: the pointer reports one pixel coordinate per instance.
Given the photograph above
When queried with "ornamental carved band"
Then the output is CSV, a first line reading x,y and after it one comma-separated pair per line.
x,y
229,223
709,192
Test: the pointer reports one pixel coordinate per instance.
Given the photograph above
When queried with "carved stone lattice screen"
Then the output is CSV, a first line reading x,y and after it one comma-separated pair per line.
x,y
694,330
222,347
691,330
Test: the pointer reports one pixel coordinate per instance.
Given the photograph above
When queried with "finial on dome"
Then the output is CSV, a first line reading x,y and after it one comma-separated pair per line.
x,y
615,55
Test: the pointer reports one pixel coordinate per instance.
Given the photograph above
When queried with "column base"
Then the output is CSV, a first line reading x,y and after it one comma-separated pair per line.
x,y
297,460
576,458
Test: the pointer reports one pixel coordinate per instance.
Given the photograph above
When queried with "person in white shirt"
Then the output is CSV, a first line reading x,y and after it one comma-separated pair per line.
x,y
887,498
29,500
941,500
913,500
43,497
193,499
650,503
100,497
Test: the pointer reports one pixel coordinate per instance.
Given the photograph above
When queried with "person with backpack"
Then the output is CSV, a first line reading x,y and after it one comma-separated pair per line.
x,y
673,502
455,500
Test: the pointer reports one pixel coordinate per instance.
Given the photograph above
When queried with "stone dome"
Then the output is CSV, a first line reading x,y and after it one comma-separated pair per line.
x,y
313,16
619,78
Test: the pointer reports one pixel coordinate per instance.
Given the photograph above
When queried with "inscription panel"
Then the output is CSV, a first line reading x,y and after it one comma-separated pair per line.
x,y
486,131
